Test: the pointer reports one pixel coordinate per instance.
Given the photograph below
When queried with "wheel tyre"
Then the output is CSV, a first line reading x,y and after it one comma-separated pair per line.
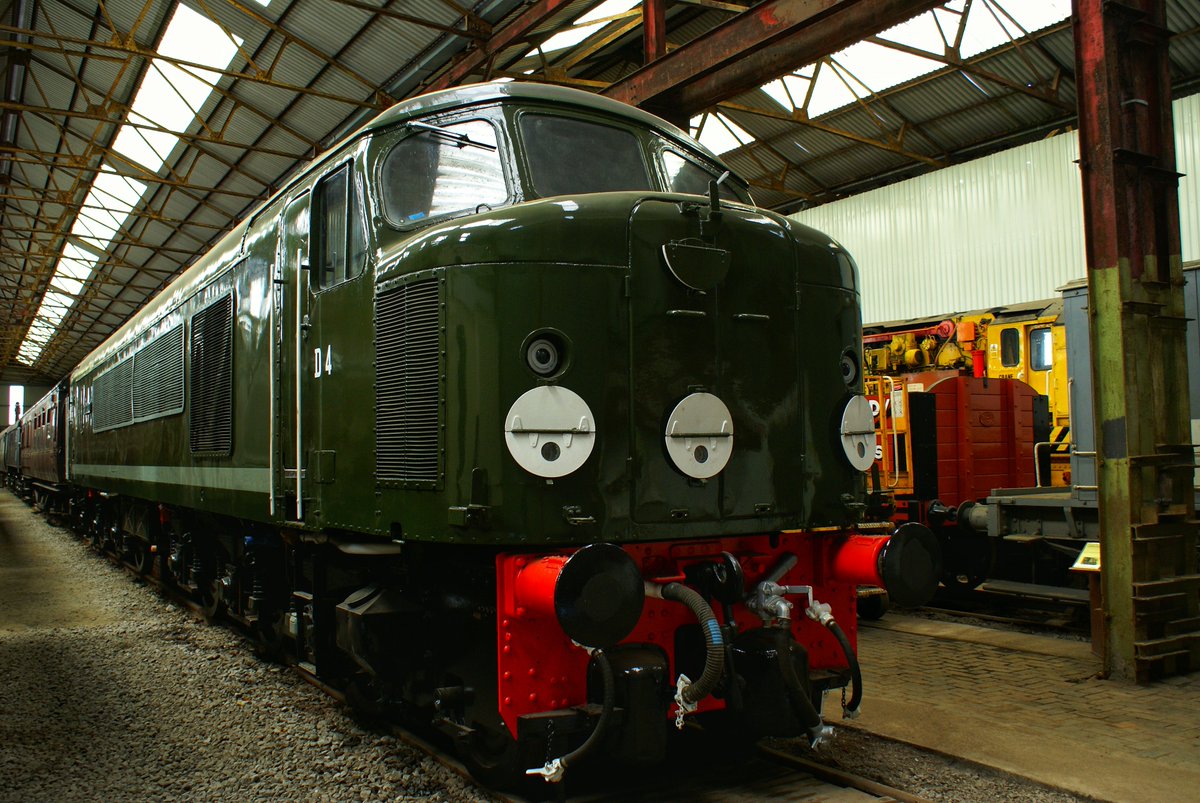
x,y
270,637
212,600
141,558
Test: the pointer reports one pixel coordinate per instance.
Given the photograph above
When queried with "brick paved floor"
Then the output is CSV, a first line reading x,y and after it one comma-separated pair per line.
x,y
1032,705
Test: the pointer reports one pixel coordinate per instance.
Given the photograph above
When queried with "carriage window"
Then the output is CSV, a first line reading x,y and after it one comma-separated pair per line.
x,y
575,156
1041,353
338,247
684,175
1010,347
434,173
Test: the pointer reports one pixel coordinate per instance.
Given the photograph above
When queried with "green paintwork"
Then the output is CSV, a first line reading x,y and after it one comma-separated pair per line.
x,y
588,267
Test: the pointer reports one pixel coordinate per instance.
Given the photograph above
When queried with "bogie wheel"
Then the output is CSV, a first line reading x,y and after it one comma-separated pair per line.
x,y
493,757
212,597
140,557
270,636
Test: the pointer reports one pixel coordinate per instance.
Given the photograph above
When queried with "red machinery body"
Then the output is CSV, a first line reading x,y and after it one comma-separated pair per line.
x,y
985,437
541,669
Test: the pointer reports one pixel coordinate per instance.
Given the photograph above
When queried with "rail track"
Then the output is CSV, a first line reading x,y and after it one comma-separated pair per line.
x,y
1045,609
701,769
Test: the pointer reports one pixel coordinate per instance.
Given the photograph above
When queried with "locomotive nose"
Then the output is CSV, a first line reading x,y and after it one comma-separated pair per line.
x,y
714,364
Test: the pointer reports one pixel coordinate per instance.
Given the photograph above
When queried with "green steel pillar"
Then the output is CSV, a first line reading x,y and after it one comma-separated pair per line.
x,y
1139,355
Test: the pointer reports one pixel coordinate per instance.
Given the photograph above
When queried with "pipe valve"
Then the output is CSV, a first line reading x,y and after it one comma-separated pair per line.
x,y
820,612
770,600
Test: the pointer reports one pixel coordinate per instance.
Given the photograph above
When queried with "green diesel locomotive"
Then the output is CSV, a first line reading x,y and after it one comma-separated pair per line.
x,y
512,413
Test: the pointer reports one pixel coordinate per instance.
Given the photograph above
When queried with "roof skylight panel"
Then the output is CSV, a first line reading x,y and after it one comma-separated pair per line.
x,y
581,29
718,133
170,95
169,100
992,23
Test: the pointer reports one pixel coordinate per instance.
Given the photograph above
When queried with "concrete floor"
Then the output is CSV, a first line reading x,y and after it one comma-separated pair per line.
x,y
1031,705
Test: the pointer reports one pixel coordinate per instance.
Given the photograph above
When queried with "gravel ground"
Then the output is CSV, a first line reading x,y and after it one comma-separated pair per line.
x,y
143,702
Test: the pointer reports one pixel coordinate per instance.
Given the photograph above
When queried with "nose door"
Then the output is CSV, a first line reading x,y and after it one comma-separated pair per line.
x,y
714,391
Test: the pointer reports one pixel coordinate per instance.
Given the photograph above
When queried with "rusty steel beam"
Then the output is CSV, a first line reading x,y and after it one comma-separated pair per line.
x,y
770,39
654,26
1144,445
510,34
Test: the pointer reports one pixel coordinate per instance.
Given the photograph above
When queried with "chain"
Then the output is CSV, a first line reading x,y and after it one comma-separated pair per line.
x,y
550,738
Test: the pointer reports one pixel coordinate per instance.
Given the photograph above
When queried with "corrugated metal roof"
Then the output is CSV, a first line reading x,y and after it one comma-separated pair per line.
x,y
308,72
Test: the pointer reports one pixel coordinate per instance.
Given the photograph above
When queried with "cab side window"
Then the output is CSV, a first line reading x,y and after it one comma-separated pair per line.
x,y
1010,347
684,175
338,249
442,170
1041,351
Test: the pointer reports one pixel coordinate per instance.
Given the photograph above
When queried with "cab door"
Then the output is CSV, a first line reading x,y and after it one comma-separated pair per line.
x,y
291,307
339,357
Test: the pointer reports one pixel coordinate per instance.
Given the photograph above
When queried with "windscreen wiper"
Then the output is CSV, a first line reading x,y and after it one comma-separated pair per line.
x,y
453,137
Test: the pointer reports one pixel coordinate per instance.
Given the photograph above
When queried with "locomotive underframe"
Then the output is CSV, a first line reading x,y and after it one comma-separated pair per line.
x,y
505,683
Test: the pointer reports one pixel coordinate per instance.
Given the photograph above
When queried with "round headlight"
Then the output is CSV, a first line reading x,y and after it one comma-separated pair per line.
x,y
849,367
543,356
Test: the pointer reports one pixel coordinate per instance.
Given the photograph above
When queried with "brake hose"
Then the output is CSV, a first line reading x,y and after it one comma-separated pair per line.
x,y
802,704
849,709
714,643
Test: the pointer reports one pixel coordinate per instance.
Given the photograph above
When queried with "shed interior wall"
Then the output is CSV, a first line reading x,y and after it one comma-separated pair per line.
x,y
1003,229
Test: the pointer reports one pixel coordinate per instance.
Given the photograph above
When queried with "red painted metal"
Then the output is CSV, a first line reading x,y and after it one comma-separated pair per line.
x,y
540,669
1127,146
985,437
509,35
856,560
535,586
767,41
654,29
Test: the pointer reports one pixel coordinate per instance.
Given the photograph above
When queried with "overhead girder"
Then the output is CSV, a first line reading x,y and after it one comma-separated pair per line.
x,y
122,49
482,54
771,39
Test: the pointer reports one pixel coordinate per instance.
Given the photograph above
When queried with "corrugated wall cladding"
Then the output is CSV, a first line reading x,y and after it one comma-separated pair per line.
x,y
1003,229
1187,161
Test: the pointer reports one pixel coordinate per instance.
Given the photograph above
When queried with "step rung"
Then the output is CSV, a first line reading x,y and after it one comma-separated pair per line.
x,y
1159,647
1181,626
1184,583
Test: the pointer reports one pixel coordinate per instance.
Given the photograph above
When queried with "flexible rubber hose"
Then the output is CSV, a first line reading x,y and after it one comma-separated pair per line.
x,y
714,642
855,672
802,704
605,713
